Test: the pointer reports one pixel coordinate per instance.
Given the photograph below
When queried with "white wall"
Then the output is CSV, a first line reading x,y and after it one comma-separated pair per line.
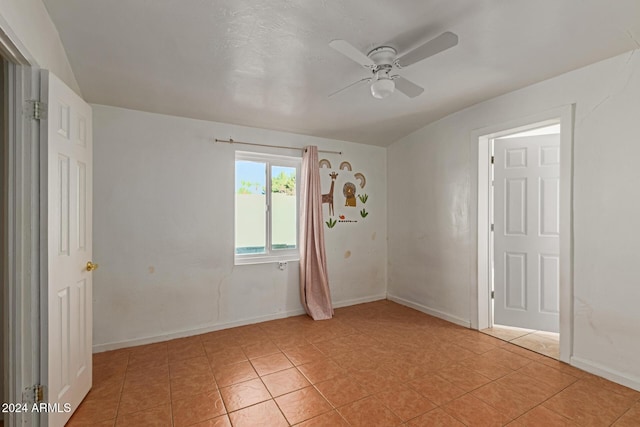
x,y
432,249
28,24
163,230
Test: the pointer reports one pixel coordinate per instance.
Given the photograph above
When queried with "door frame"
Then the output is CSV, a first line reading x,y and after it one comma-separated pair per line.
x,y
481,285
22,281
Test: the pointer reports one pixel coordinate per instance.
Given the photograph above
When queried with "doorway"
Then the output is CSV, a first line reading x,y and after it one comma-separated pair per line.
x,y
524,244
524,205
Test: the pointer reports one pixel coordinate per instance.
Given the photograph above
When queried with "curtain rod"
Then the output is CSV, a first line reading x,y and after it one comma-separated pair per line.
x,y
231,141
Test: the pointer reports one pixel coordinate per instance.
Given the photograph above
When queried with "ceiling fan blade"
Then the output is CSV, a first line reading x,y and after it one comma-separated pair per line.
x,y
366,79
348,50
407,87
443,42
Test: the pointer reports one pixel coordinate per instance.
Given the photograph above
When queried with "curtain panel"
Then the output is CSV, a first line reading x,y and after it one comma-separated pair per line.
x,y
314,283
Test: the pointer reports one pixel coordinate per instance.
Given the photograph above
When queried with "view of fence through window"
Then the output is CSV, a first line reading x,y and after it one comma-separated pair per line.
x,y
252,200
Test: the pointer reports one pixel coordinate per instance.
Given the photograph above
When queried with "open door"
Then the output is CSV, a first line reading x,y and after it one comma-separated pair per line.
x,y
527,232
66,135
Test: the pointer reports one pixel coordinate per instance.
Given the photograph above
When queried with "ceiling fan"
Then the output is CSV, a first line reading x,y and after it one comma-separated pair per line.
x,y
382,60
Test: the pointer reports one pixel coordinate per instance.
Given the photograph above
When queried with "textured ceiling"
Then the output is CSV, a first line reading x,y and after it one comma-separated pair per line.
x,y
268,64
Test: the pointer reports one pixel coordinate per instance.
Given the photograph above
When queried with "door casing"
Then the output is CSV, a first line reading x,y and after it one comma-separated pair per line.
x,y
23,240
481,287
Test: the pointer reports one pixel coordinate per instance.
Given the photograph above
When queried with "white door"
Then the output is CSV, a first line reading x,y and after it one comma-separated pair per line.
x,y
526,232
67,335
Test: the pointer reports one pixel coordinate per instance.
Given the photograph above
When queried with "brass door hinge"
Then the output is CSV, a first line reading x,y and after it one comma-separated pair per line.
x,y
33,394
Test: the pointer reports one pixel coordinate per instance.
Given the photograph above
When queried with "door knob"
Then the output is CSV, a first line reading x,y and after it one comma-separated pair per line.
x,y
91,266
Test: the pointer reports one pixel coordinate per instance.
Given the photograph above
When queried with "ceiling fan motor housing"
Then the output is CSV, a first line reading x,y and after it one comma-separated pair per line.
x,y
383,55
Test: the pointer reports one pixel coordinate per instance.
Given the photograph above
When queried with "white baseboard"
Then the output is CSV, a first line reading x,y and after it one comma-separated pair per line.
x,y
196,331
355,301
203,330
431,311
604,372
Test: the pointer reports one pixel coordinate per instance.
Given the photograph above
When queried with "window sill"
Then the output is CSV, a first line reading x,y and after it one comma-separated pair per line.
x,y
247,260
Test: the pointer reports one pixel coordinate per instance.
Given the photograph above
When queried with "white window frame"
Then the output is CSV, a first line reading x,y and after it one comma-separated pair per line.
x,y
270,255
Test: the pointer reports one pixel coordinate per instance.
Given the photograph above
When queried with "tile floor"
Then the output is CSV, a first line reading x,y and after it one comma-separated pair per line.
x,y
547,343
375,364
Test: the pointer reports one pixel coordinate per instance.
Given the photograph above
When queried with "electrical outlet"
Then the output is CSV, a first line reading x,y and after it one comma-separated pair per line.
x,y
282,265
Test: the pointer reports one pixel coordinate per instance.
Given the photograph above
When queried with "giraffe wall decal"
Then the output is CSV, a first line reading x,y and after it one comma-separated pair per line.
x,y
328,198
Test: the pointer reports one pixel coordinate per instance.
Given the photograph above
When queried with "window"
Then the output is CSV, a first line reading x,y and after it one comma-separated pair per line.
x,y
266,208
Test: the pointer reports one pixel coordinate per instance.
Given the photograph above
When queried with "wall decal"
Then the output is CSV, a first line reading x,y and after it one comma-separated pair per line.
x,y
351,184
349,191
360,178
324,163
328,198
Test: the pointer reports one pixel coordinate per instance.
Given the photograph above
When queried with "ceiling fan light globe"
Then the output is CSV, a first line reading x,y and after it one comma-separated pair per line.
x,y
382,88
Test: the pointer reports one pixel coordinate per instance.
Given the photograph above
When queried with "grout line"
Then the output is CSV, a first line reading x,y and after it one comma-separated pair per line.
x,y
385,337
124,380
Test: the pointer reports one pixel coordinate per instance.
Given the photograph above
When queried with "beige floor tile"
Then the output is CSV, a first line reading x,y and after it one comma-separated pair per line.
x,y
540,344
506,333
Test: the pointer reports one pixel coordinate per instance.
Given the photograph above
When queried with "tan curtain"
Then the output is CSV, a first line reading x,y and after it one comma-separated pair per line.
x,y
314,283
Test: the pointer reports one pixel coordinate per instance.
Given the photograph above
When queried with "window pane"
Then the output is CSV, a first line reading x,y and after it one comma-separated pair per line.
x,y
283,207
250,207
